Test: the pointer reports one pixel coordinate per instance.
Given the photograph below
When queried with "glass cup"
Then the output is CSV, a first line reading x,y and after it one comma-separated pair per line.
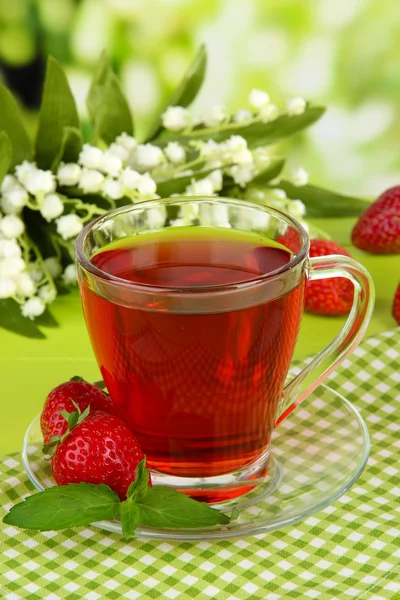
x,y
200,374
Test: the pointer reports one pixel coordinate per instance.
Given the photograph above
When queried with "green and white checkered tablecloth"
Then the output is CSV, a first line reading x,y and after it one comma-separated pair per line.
x,y
349,550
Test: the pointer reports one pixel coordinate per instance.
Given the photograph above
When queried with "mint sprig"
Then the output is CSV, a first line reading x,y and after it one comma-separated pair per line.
x,y
77,504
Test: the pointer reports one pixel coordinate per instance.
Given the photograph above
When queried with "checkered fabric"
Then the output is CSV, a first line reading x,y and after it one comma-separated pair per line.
x,y
351,549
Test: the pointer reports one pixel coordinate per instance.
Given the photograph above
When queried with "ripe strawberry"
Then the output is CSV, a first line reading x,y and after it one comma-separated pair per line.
x,y
62,398
396,305
378,228
100,449
328,296
290,239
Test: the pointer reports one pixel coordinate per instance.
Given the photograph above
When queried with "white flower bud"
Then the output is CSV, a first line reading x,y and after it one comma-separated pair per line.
x,y
201,187
91,181
120,151
35,272
216,214
127,141
111,163
40,182
24,171
12,226
175,152
148,156
242,175
14,200
113,188
8,288
243,116
68,174
9,182
70,275
295,106
9,249
47,293
130,178
216,179
299,177
258,99
156,217
297,209
52,207
216,115
53,266
269,113
146,185
238,151
25,285
176,118
90,157
11,267
69,226
280,194
34,307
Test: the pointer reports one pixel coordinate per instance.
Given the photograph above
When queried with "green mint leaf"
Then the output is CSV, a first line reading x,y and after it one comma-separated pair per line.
x,y
11,318
71,145
58,110
5,154
163,507
140,483
324,203
256,134
11,123
107,104
65,506
130,518
187,90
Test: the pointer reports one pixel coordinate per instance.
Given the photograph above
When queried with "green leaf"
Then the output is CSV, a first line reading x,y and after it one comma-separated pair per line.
x,y
269,173
12,319
65,506
11,123
73,419
179,184
77,378
46,320
5,154
100,384
256,134
130,518
187,90
163,507
141,481
58,110
107,104
71,145
324,203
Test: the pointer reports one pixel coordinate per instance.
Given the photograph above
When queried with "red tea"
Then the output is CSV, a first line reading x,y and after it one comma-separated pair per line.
x,y
199,390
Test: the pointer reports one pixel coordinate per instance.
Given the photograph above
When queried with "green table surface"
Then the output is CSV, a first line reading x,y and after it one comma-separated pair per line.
x,y
39,365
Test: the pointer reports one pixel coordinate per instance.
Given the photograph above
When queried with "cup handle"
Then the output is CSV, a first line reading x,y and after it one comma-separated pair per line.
x,y
325,267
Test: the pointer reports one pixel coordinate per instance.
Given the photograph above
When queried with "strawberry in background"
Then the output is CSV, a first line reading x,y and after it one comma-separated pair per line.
x,y
378,231
329,297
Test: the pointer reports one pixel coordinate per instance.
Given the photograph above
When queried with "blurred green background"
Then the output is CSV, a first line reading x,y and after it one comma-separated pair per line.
x,y
342,53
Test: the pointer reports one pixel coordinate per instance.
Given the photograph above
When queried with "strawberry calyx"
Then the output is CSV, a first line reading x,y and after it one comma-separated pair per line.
x,y
73,419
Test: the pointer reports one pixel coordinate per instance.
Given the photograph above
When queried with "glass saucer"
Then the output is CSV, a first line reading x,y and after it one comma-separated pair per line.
x,y
318,453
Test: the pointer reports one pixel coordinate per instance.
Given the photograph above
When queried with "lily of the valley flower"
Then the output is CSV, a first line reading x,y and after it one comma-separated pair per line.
x,y
176,118
258,99
8,288
127,141
113,188
68,174
34,307
295,106
47,293
11,267
12,227
146,186
91,181
175,152
130,178
299,177
147,157
25,285
68,226
216,115
9,249
39,182
90,157
52,207
70,275
14,200
53,266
